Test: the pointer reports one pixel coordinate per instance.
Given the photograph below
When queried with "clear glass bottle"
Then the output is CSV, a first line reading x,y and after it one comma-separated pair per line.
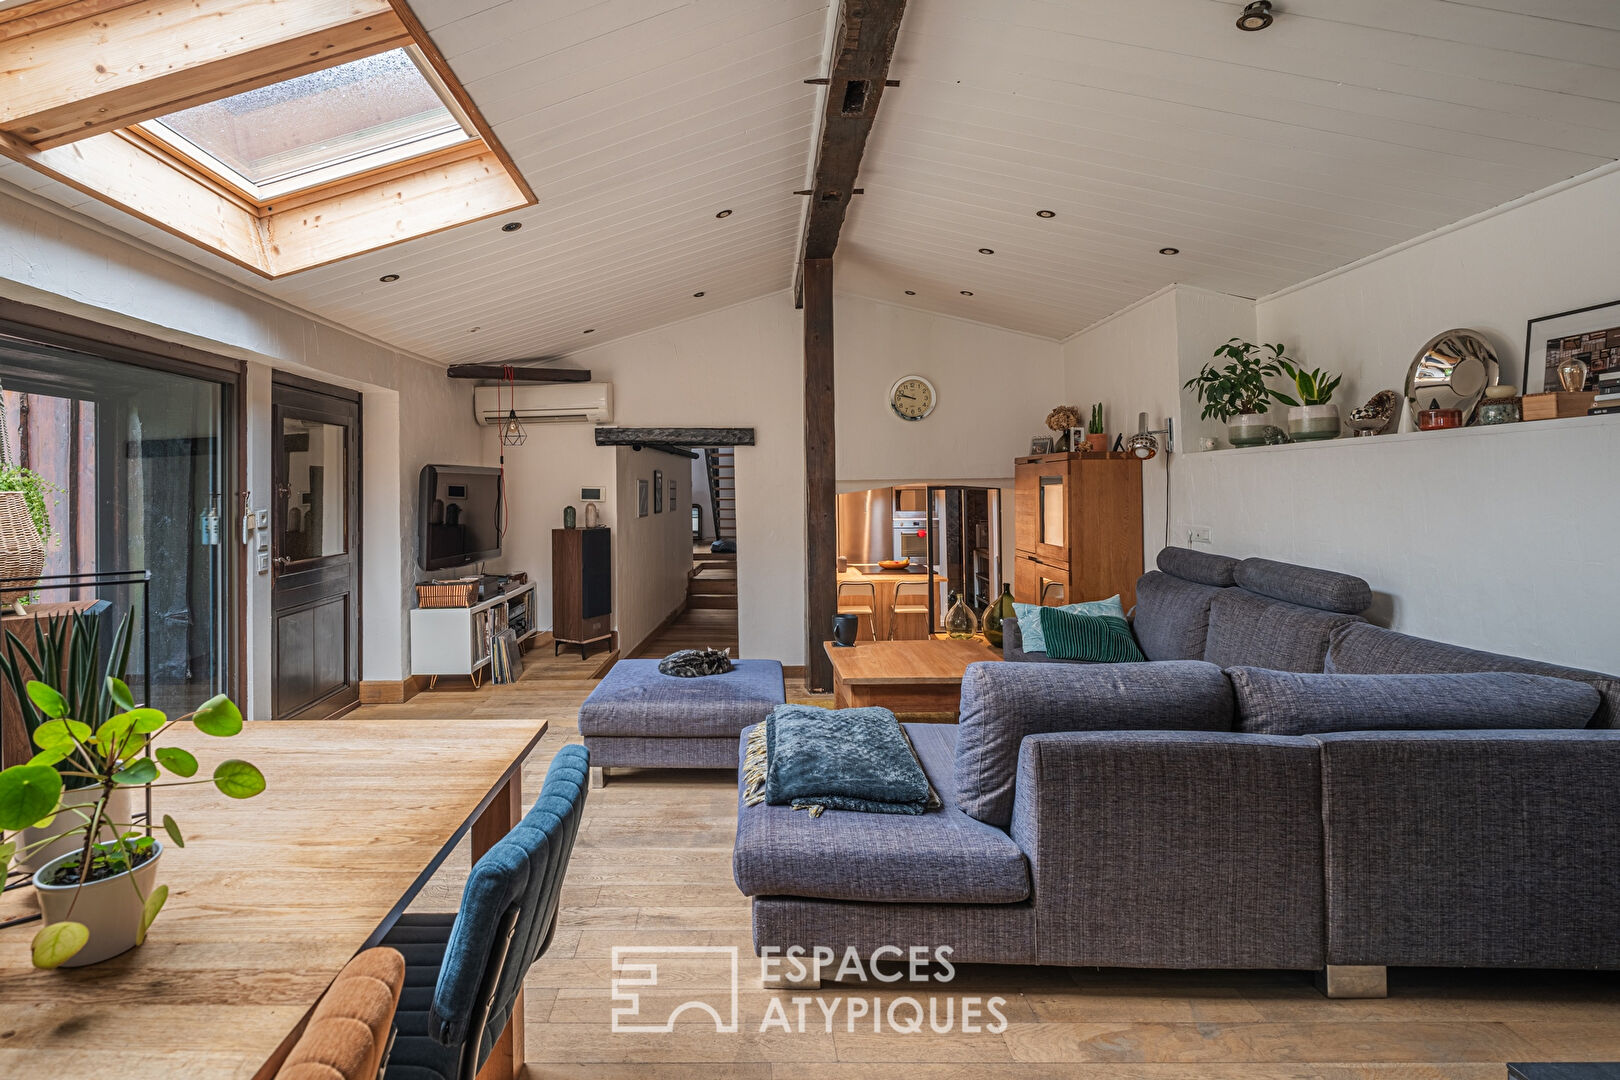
x,y
960,622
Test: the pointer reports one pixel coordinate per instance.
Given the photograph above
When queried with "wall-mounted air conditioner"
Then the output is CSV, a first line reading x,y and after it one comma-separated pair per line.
x,y
547,403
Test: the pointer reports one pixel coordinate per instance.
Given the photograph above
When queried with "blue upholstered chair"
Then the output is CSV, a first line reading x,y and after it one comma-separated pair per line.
x,y
463,971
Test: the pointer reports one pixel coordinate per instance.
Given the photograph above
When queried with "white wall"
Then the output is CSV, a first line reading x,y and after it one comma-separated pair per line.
x,y
50,259
654,552
1495,538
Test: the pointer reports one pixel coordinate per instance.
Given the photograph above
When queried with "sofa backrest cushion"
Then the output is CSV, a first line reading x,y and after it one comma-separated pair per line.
x,y
1171,620
1200,567
1295,703
1364,649
1255,631
1033,635
1306,586
1002,703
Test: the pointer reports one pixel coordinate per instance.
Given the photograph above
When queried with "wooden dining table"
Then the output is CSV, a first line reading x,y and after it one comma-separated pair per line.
x,y
269,898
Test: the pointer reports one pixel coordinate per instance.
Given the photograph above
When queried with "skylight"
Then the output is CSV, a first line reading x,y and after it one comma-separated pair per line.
x,y
320,127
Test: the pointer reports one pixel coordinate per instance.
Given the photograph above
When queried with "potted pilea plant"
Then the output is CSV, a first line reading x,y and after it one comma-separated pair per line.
x,y
1313,416
1096,437
67,657
99,900
1237,394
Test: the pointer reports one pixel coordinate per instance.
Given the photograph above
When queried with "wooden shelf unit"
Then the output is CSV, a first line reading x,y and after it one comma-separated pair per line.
x,y
1078,528
460,641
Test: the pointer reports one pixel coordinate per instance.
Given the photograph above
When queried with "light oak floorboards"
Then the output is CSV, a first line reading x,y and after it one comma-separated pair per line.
x,y
653,867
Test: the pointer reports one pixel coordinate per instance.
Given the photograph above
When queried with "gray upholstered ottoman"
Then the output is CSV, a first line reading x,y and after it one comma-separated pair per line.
x,y
639,717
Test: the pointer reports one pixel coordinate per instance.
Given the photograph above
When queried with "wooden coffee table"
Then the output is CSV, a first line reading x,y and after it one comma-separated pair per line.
x,y
905,676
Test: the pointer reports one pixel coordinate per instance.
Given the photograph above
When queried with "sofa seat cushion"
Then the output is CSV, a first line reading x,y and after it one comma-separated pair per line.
x,y
1364,649
1293,703
1003,703
636,699
1249,630
1306,586
1199,567
1171,621
940,857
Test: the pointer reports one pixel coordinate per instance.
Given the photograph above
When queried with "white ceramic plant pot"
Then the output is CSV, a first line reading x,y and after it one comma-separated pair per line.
x,y
110,908
118,805
1307,423
1248,429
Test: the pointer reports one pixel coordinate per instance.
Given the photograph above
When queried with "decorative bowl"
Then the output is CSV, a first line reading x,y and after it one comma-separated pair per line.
x,y
894,564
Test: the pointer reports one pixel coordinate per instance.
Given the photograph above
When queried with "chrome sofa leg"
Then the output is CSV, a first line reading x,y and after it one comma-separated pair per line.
x,y
1354,981
598,776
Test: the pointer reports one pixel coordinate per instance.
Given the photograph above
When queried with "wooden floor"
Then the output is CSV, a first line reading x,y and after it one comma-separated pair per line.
x,y
653,867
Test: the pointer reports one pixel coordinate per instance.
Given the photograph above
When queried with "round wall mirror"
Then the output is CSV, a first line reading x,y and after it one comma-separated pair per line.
x,y
1453,369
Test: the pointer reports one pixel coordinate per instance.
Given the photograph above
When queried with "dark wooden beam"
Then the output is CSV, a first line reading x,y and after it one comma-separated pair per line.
x,y
820,474
863,48
675,436
519,374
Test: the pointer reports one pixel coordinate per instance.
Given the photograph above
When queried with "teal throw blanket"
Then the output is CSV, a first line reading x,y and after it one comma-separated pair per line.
x,y
851,759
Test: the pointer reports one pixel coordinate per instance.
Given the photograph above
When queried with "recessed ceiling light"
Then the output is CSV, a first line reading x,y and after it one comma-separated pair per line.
x,y
911,292
1256,16
966,293
987,251
389,277
697,294
723,213
1169,251
1046,213
512,226
592,331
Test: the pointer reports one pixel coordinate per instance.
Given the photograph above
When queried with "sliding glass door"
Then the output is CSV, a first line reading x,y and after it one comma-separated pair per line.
x,y
140,460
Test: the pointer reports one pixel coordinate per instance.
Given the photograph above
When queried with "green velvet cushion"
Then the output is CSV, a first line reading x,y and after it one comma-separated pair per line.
x,y
1100,639
1029,618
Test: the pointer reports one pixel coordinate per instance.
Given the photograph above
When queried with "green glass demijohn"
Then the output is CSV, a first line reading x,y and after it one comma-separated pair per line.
x,y
995,613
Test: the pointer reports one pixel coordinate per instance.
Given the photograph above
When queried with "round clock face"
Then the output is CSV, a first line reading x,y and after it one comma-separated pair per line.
x,y
912,397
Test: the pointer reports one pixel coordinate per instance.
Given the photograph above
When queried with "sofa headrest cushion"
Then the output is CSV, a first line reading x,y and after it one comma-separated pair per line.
x,y
1002,703
1203,567
1325,590
1293,703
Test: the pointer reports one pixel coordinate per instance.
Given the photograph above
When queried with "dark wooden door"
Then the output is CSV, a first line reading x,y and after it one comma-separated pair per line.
x,y
315,550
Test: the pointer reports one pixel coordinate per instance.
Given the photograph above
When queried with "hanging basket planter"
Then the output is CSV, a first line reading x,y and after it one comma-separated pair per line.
x,y
22,552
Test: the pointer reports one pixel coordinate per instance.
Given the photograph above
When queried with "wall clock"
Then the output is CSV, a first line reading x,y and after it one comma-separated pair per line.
x,y
912,397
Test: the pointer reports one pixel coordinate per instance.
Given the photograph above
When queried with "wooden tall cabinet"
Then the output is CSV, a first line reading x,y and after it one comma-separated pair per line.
x,y
581,587
1078,524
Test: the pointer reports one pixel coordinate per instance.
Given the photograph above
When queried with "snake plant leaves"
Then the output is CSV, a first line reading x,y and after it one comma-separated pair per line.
x,y
118,690
149,911
238,779
7,850
59,942
28,793
172,827
47,700
178,761
141,771
218,716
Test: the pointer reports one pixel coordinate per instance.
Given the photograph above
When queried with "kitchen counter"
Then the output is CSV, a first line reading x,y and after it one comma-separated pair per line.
x,y
885,582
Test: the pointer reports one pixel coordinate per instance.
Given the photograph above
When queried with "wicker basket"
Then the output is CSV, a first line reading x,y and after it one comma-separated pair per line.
x,y
462,592
22,552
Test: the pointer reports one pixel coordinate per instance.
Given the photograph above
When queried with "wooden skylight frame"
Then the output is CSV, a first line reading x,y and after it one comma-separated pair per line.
x,y
82,74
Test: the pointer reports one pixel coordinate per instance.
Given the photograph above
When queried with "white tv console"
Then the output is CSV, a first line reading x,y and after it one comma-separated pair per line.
x,y
458,641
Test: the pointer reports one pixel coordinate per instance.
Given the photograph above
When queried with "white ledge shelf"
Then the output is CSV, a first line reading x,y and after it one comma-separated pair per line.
x,y
1476,431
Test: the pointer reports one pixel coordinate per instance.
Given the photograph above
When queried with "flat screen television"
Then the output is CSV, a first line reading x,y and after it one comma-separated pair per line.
x,y
458,515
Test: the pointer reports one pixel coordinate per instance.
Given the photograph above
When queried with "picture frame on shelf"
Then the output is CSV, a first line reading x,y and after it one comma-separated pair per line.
x,y
1040,444
641,498
1592,333
658,491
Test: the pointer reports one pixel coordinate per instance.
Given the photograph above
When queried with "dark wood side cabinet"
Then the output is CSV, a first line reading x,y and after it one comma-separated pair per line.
x,y
581,587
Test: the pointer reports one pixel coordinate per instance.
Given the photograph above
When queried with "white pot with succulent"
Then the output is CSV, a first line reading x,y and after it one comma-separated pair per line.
x,y
1313,416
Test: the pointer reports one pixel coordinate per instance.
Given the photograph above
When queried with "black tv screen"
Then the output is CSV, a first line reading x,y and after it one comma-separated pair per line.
x,y
458,515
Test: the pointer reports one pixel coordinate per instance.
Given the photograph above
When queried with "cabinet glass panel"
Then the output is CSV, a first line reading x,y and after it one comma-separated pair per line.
x,y
1052,506
316,523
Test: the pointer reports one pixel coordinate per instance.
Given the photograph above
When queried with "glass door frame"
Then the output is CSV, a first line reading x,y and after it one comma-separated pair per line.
x,y
53,329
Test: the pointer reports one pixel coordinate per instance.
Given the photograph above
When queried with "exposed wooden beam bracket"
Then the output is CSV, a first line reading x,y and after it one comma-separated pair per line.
x,y
674,436
518,373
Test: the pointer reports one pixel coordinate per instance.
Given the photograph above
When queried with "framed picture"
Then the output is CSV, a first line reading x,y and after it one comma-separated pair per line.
x,y
641,498
658,491
1040,444
1590,334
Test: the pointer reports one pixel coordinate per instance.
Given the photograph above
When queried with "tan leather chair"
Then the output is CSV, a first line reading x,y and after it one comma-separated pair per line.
x,y
859,598
352,1028
910,603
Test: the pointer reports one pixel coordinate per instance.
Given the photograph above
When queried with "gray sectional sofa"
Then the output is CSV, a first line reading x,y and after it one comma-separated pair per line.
x,y
1249,798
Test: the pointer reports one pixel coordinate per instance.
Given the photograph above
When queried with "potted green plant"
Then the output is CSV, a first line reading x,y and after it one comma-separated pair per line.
x,y
1096,437
25,526
1237,394
66,656
99,900
1313,416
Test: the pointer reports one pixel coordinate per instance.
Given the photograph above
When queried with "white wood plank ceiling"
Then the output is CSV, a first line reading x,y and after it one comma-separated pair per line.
x,y
1266,158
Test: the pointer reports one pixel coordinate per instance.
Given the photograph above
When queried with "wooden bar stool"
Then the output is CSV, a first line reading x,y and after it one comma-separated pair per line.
x,y
910,600
859,598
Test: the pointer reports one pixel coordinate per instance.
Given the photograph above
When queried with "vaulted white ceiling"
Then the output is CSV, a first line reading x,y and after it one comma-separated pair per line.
x,y
1266,158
